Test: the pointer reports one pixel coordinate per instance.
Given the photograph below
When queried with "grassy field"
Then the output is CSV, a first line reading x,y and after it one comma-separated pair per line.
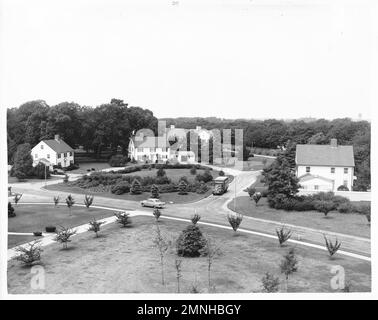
x,y
31,218
126,261
348,223
173,197
89,165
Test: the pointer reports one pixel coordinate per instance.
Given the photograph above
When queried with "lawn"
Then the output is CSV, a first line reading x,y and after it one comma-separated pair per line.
x,y
173,197
347,223
30,218
124,260
89,165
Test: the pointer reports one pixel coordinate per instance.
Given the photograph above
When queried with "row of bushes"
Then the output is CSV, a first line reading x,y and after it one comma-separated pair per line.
x,y
314,201
139,167
125,187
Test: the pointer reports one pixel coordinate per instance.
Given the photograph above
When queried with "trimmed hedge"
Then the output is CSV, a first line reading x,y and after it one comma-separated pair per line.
x,y
309,202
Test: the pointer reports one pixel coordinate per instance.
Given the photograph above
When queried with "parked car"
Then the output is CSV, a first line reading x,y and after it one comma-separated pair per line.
x,y
152,202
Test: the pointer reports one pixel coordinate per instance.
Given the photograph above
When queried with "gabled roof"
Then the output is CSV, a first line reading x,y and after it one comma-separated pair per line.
x,y
324,155
308,176
58,147
150,142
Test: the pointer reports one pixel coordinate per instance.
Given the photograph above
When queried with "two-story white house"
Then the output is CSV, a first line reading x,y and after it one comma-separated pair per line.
x,y
53,152
156,150
324,167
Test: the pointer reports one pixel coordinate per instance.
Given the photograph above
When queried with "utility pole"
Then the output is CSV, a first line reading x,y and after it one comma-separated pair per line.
x,y
235,194
45,174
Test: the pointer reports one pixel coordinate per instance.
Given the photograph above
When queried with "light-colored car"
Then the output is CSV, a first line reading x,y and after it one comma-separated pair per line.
x,y
152,202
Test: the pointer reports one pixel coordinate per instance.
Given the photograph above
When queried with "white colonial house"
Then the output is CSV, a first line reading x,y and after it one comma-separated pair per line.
x,y
53,152
156,150
324,167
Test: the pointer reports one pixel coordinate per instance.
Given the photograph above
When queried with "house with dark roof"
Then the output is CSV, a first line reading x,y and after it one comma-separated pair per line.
x,y
53,152
148,149
325,167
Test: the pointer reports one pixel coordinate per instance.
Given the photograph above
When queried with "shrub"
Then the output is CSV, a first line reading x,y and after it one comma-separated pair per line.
x,y
251,191
161,172
195,218
202,188
289,265
221,173
162,180
264,193
11,212
256,197
193,170
235,220
41,171
135,187
17,198
56,200
185,179
88,200
30,253
342,188
324,206
283,235
95,226
37,233
118,160
154,191
63,236
362,208
123,218
270,283
156,213
345,208
182,186
120,187
65,179
70,202
332,247
50,229
190,242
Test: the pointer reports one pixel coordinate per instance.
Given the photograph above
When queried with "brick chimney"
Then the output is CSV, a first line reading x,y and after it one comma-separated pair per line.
x,y
57,138
334,143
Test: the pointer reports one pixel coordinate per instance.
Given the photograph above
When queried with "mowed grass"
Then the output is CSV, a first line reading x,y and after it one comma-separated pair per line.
x,y
31,218
124,260
172,197
347,223
83,167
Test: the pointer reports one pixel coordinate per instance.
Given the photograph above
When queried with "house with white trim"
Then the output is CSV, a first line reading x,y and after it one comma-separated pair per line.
x,y
324,167
53,152
149,149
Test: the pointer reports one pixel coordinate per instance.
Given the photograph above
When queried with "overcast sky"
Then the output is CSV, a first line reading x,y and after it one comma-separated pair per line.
x,y
231,59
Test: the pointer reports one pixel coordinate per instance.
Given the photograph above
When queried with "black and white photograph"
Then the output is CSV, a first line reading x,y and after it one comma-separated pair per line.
x,y
186,149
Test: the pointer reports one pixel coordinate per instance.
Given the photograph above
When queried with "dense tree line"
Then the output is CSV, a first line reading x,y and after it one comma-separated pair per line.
x,y
106,126
110,125
274,134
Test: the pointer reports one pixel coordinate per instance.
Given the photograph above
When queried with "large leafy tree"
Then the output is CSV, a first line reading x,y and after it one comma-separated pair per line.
x,y
281,178
23,162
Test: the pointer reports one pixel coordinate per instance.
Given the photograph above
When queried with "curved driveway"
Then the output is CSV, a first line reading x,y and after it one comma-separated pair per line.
x,y
212,209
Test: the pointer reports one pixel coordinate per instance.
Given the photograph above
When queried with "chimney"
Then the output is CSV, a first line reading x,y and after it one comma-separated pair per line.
x,y
57,138
333,143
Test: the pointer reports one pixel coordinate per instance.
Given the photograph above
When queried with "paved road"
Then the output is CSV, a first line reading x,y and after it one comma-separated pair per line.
x,y
212,209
